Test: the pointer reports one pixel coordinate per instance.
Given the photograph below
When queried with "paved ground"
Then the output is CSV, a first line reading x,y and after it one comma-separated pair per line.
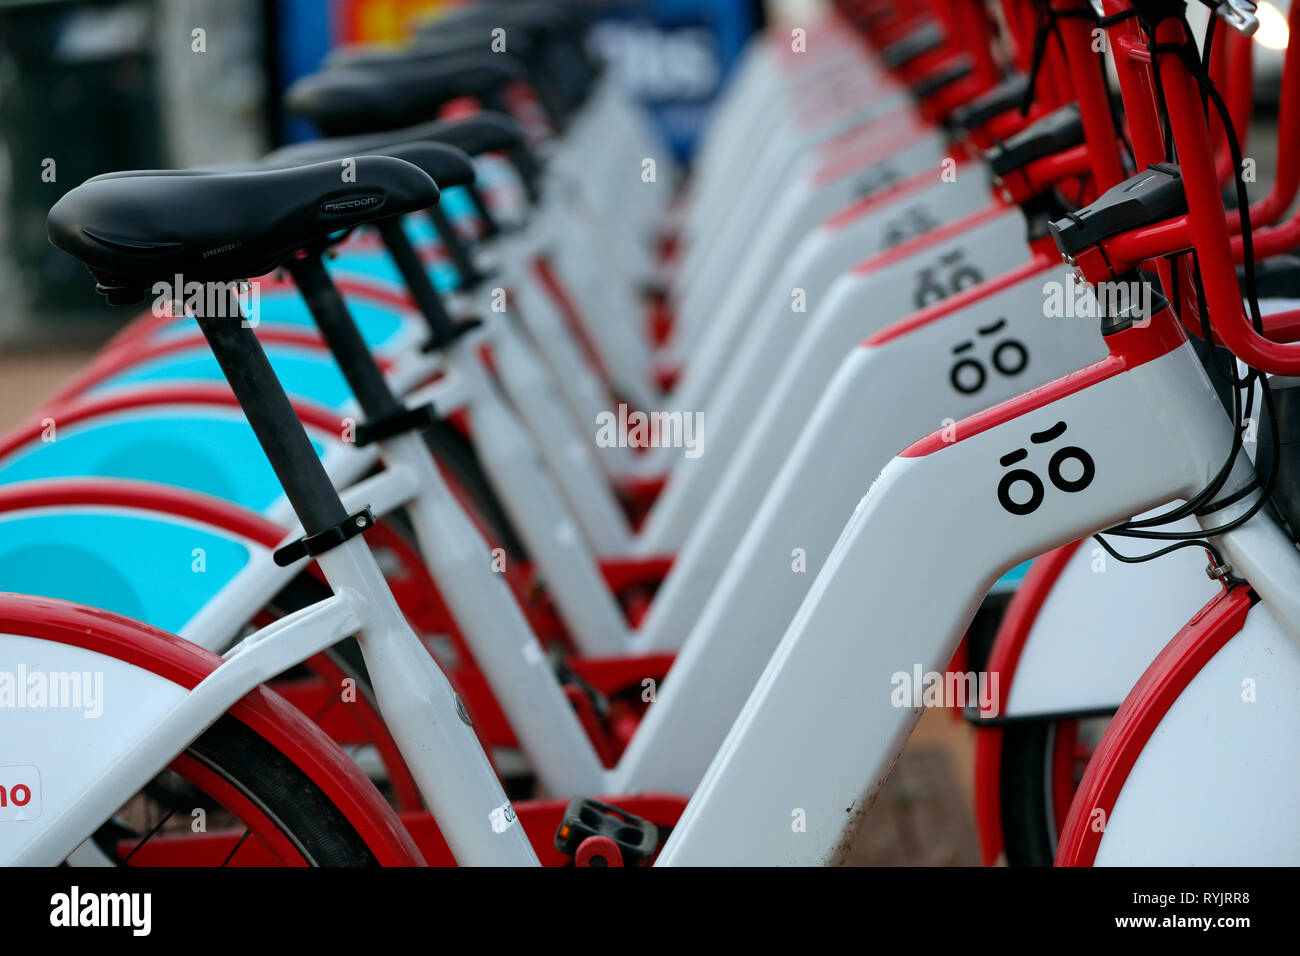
x,y
28,377
923,816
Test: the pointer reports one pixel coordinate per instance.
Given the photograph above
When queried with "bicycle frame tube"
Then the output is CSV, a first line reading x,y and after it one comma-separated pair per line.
x,y
759,592
427,721
876,294
537,509
1204,227
215,626
1137,429
510,657
514,663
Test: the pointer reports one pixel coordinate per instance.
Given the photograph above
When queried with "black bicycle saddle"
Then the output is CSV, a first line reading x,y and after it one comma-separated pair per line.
x,y
479,133
446,165
133,231
474,135
357,99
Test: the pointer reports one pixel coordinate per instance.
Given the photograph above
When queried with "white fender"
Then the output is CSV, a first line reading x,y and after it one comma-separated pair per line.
x,y
57,751
1102,625
1215,783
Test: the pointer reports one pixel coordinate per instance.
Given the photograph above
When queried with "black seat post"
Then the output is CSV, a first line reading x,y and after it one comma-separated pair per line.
x,y
343,337
457,249
426,297
274,422
385,414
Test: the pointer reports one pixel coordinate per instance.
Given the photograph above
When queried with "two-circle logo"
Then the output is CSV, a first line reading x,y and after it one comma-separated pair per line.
x,y
1070,469
1009,358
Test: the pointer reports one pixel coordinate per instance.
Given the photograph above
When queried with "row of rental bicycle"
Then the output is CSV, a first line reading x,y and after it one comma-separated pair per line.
x,y
475,486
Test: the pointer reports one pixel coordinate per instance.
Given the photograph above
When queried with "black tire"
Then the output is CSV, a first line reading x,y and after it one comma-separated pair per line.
x,y
1030,829
265,777
1027,819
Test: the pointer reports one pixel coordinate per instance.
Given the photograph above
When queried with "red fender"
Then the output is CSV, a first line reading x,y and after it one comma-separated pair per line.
x,y
413,587
261,710
118,360
143,496
167,395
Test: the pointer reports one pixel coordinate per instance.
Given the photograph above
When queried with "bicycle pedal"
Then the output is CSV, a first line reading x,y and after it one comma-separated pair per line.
x,y
600,834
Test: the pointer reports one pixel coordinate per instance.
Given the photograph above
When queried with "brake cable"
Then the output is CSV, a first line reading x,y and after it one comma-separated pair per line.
x,y
1210,95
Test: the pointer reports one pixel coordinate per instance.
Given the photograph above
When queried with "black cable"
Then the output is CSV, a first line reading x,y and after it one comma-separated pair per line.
x,y
1139,559
1210,96
1208,44
1036,59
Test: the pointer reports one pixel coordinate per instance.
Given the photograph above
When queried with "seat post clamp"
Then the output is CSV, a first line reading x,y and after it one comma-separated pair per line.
x,y
397,423
441,338
314,544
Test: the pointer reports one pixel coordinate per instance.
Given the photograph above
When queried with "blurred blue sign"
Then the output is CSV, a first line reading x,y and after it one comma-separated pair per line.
x,y
674,55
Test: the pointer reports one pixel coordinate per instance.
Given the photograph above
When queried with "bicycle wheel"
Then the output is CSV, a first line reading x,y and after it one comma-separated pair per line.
x,y
230,799
1042,763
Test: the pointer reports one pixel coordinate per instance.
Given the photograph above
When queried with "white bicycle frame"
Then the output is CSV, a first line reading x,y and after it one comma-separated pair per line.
x,y
778,127
613,302
1152,427
817,656
792,533
801,196
757,596
771,370
541,517
858,304
482,605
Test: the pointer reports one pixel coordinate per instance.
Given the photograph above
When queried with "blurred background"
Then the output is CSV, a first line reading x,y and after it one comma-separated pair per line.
x,y
87,87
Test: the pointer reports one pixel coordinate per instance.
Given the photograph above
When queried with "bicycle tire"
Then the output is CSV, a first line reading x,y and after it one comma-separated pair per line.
x,y
284,797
